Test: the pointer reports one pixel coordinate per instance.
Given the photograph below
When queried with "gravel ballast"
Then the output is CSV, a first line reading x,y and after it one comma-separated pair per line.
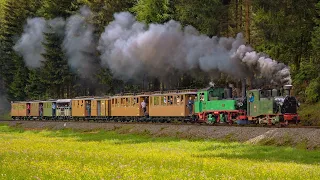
x,y
302,137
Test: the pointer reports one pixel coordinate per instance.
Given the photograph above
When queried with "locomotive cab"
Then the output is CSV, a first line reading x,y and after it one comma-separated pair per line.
x,y
216,105
269,107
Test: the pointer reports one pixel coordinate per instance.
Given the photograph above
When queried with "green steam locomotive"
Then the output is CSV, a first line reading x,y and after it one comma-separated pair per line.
x,y
259,106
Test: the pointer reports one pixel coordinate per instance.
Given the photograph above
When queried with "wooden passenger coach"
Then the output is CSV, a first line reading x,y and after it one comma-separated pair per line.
x,y
171,103
128,105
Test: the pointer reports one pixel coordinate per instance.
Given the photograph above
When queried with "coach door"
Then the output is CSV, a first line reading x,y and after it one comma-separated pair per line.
x,y
28,109
98,108
146,100
88,108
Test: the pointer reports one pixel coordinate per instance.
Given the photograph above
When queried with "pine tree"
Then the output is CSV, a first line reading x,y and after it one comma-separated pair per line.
x,y
208,16
12,65
55,74
35,89
154,11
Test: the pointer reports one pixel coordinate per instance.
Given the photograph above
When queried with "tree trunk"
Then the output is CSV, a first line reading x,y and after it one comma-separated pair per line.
x,y
248,4
237,17
240,15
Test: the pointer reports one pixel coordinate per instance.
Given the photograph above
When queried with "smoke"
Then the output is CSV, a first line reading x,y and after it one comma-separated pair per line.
x,y
30,44
261,65
79,42
131,49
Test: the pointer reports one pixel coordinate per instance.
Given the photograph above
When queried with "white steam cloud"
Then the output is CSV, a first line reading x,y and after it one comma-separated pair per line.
x,y
30,44
79,43
78,40
130,48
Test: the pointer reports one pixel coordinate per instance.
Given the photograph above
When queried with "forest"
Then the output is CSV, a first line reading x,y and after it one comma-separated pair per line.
x,y
288,31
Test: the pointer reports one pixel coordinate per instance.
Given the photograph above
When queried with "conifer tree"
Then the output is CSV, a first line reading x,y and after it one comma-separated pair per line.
x,y
12,65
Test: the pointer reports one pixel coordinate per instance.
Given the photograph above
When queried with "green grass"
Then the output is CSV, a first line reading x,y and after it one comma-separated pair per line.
x,y
67,154
310,114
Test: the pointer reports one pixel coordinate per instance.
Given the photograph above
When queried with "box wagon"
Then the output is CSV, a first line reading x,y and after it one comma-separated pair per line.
x,y
33,109
18,110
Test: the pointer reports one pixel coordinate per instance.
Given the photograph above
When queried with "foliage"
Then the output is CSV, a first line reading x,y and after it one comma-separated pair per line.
x,y
313,90
284,28
55,73
153,11
34,89
309,114
12,65
208,16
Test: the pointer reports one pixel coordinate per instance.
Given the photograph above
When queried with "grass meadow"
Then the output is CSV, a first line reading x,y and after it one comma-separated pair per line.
x,y
67,154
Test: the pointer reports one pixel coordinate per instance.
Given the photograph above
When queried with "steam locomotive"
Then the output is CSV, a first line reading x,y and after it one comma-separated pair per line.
x,y
211,105
259,106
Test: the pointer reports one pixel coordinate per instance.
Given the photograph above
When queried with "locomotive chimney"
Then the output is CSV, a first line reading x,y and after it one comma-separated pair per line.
x,y
243,87
287,89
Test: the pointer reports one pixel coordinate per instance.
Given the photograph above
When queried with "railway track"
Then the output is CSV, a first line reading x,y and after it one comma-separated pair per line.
x,y
170,123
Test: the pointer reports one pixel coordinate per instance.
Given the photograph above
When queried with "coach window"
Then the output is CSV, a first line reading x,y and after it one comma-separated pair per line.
x,y
175,100
182,100
170,100
156,100
163,100
179,99
134,101
129,102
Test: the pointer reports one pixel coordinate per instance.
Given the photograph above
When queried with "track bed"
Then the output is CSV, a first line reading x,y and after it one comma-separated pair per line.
x,y
309,137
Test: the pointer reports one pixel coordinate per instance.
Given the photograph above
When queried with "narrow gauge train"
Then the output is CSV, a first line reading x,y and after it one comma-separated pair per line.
x,y
211,105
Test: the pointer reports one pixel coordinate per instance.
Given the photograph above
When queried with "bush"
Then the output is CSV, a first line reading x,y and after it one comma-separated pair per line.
x,y
313,91
309,114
